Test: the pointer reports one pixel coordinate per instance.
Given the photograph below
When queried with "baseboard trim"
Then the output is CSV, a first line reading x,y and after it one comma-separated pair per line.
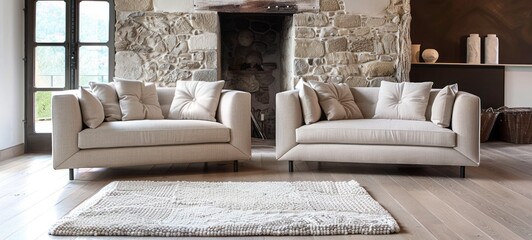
x,y
12,152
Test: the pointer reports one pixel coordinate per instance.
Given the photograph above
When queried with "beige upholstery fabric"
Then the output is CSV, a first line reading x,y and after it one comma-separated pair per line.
x,y
137,156
442,108
309,104
106,93
465,124
378,132
153,133
288,117
378,154
233,113
138,101
91,109
406,100
196,100
336,101
165,95
67,124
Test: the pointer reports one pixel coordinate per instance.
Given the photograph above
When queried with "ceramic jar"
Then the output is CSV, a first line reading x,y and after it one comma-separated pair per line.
x,y
491,49
430,55
473,49
415,51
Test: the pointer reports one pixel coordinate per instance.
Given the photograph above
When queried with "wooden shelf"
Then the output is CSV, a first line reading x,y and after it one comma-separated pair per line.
x,y
476,65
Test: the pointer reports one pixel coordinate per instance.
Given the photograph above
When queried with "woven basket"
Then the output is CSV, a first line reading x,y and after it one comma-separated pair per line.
x,y
516,125
487,121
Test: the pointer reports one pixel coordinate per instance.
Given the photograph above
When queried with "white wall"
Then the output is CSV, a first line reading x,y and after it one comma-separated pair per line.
x,y
518,86
11,74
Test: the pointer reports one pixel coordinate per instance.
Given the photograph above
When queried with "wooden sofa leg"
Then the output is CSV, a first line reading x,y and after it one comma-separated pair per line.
x,y
235,166
462,171
70,174
290,166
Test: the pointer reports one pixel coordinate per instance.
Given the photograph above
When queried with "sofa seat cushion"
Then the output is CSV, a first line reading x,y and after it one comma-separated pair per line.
x,y
153,133
377,132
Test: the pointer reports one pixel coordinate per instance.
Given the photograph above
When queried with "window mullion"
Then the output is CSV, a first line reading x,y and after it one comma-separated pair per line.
x,y
72,42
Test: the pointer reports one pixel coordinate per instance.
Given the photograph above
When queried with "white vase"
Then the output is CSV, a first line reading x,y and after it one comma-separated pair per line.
x,y
473,49
491,49
415,49
430,55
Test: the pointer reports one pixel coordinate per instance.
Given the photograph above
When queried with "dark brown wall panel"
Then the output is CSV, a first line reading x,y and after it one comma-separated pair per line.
x,y
445,25
487,82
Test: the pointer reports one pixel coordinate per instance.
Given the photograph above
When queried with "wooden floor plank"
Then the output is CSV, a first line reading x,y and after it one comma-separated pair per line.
x,y
431,222
449,216
470,213
428,202
508,220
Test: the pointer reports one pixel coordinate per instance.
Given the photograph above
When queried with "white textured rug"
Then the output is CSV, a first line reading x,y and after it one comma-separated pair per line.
x,y
143,208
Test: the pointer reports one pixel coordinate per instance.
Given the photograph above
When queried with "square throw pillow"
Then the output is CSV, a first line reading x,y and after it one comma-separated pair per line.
x,y
91,109
310,104
337,101
442,108
138,100
106,93
406,100
196,100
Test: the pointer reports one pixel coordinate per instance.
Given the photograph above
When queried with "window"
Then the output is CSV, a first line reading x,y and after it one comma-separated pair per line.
x,y
68,45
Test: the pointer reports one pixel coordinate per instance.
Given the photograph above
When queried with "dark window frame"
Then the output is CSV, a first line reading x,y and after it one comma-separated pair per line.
x,y
42,142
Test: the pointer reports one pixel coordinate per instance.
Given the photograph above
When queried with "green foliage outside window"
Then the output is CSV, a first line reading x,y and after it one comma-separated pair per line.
x,y
43,106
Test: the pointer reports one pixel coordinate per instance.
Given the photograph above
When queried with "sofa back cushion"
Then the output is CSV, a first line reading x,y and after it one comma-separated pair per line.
x,y
405,100
367,97
138,100
196,100
336,100
106,93
166,95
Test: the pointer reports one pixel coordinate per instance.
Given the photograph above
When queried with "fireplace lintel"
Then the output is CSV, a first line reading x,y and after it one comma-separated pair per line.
x,y
258,6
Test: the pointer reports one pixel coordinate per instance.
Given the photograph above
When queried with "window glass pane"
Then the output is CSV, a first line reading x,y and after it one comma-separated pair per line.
x,y
43,112
50,21
93,64
50,67
94,21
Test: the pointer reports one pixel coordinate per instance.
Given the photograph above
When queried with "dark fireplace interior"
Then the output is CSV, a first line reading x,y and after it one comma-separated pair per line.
x,y
251,51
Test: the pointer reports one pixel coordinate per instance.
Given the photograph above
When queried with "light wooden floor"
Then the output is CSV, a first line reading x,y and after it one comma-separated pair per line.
x,y
493,202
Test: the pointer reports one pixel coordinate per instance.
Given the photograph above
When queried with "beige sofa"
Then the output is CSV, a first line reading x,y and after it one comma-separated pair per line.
x,y
147,142
380,141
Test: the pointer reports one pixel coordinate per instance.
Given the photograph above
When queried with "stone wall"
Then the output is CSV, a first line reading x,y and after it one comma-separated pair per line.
x,y
166,47
336,46
332,45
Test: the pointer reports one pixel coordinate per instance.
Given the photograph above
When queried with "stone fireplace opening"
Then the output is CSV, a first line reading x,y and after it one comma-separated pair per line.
x,y
252,51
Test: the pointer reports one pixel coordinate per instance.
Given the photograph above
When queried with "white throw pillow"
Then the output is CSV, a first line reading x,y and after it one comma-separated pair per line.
x,y
106,93
442,108
310,104
337,101
197,100
91,109
406,100
138,100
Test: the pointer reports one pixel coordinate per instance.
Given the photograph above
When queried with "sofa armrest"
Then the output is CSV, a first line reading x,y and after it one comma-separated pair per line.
x,y
288,118
234,112
66,124
466,124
